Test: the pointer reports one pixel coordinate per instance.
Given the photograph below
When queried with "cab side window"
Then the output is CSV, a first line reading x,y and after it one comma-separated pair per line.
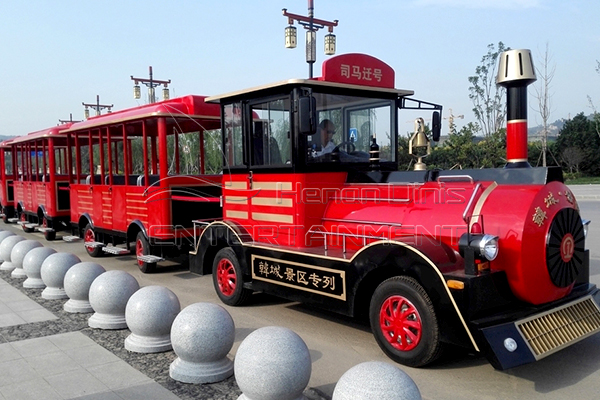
x,y
271,138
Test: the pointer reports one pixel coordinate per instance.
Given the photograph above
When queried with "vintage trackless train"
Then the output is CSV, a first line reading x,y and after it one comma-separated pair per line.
x,y
311,207
493,260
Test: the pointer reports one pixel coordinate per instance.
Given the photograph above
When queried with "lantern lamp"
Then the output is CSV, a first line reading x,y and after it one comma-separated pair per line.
x,y
330,44
86,113
290,37
165,93
137,93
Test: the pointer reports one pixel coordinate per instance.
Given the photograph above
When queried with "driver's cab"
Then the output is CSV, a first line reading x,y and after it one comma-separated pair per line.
x,y
288,146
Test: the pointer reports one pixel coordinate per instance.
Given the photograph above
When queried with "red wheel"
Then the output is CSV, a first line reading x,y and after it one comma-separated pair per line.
x,y
404,323
400,323
88,237
227,278
44,222
142,248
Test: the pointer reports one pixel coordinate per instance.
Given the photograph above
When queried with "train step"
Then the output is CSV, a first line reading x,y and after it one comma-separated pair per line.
x,y
22,222
94,244
150,259
30,225
43,230
13,220
71,238
115,250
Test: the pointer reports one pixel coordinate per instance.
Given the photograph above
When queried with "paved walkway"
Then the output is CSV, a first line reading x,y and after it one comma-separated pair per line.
x,y
47,353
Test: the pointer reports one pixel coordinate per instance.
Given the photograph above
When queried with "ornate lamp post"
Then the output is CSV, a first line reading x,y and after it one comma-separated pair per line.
x,y
98,107
312,25
151,83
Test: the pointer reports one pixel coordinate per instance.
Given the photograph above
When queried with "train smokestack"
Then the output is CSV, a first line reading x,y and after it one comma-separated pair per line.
x,y
515,73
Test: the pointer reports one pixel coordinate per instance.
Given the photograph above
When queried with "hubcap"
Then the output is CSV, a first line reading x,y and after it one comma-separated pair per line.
x,y
226,277
139,250
89,237
400,323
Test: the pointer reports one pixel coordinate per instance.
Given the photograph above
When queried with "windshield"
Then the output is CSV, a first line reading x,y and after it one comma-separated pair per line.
x,y
347,126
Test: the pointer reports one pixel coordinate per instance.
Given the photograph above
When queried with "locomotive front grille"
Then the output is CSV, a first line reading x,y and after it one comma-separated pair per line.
x,y
551,331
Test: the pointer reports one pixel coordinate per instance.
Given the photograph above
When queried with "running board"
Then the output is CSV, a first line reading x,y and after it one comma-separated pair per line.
x,y
115,250
30,225
21,222
71,238
13,220
150,259
44,230
94,244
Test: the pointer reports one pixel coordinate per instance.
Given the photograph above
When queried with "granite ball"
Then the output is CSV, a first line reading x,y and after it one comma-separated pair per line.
x,y
53,271
202,335
18,253
376,380
4,235
32,265
108,296
78,280
149,315
272,363
6,249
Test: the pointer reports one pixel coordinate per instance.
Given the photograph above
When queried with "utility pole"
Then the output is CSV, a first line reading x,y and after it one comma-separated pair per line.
x,y
312,25
151,83
98,107
66,121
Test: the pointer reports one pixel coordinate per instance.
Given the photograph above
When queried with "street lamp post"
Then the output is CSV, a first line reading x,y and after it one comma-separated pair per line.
x,y
312,25
98,107
151,83
66,121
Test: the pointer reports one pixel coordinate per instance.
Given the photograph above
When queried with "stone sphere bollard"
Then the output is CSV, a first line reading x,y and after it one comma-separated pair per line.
x,y
376,380
5,250
32,265
272,363
53,271
78,280
109,294
4,235
17,255
202,335
149,314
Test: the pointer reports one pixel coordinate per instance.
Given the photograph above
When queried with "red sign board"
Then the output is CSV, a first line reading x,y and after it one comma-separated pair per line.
x,y
358,69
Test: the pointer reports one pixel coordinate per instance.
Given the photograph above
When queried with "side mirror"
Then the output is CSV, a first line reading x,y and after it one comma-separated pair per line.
x,y
307,115
436,126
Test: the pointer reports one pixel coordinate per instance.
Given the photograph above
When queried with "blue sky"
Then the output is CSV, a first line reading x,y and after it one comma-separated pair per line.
x,y
54,55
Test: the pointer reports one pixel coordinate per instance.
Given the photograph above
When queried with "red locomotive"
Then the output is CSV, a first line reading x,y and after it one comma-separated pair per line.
x,y
315,210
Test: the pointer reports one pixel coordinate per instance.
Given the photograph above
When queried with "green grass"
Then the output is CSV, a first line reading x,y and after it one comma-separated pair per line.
x,y
586,180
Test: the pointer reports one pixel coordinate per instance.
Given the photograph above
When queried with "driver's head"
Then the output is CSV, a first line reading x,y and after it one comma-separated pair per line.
x,y
327,130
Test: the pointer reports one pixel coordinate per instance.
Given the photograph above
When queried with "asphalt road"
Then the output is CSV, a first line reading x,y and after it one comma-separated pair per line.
x,y
336,343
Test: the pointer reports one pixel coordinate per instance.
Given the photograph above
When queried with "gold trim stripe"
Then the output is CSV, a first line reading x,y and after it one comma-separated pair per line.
x,y
236,214
272,201
270,217
236,200
236,185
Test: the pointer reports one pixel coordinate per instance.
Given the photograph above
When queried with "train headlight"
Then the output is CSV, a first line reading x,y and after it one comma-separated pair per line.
x,y
482,245
586,225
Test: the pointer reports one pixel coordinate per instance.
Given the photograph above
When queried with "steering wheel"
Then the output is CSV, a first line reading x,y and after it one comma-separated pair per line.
x,y
348,147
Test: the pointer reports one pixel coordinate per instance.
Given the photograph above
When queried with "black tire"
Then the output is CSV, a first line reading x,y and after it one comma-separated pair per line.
x,y
227,278
50,235
5,216
142,247
90,236
419,343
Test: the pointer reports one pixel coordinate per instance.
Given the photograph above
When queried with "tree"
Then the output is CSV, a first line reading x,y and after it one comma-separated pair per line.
x,y
573,156
487,97
542,93
579,133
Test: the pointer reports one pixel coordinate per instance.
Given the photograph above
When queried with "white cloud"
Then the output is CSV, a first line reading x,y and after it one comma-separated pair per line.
x,y
481,4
